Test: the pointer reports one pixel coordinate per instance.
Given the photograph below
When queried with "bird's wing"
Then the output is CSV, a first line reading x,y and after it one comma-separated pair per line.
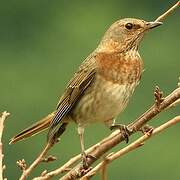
x,y
77,85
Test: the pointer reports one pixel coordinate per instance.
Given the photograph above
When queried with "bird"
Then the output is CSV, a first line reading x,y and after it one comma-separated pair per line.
x,y
101,87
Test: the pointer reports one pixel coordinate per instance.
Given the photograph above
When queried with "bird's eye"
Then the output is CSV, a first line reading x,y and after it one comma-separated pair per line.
x,y
129,26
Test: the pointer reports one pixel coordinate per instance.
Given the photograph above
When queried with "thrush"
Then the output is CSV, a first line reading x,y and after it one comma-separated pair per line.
x,y
102,86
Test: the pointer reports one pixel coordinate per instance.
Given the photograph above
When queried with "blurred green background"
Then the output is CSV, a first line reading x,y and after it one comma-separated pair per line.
x,y
42,42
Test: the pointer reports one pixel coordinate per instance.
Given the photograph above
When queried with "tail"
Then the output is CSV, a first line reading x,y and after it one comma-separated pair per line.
x,y
34,129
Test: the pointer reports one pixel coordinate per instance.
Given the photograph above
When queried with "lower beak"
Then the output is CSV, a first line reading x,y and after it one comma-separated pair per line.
x,y
151,25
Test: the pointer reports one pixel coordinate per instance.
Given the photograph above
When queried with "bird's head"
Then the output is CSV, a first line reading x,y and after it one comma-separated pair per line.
x,y
126,34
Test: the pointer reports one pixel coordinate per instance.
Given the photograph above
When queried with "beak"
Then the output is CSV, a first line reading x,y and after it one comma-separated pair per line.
x,y
151,25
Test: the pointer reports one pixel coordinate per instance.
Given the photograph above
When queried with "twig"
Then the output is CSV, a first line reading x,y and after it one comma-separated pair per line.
x,y
72,161
158,94
153,111
2,119
150,114
174,104
103,170
177,102
49,159
161,18
22,164
67,165
179,82
116,136
138,143
39,159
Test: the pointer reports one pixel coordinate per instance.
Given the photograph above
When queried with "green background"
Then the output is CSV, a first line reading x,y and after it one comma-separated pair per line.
x,y
42,42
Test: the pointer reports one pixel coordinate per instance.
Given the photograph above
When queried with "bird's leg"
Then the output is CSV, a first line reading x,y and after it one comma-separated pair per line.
x,y
83,154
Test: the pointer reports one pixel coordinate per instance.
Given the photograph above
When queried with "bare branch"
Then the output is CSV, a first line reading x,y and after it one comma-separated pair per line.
x,y
116,137
39,159
2,119
136,144
21,164
179,82
67,165
103,146
169,11
103,170
158,94
49,159
176,103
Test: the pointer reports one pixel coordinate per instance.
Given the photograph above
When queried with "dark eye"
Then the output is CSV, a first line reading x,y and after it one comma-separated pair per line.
x,y
129,26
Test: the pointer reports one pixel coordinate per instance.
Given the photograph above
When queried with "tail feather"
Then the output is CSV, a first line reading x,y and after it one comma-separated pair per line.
x,y
34,129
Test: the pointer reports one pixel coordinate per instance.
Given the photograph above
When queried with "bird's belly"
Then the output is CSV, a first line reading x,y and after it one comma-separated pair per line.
x,y
103,101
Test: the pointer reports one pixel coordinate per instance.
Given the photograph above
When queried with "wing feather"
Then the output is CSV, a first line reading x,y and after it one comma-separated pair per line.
x,y
77,85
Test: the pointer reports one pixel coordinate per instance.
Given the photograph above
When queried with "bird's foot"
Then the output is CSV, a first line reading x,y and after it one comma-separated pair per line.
x,y
125,131
83,171
146,128
84,159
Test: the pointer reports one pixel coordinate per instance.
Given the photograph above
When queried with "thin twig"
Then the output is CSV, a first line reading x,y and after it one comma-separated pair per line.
x,y
38,160
67,165
174,104
49,159
158,94
169,11
104,170
179,82
136,144
2,119
72,161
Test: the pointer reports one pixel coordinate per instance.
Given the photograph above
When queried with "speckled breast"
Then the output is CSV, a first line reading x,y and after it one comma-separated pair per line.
x,y
111,89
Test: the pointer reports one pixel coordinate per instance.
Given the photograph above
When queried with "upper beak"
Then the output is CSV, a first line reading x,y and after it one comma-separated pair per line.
x,y
151,25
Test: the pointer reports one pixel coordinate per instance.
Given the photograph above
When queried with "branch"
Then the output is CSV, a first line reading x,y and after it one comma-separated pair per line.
x,y
113,139
67,165
169,11
174,104
2,119
38,160
104,170
136,144
116,137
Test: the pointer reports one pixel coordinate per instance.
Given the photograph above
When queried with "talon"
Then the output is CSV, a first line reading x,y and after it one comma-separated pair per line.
x,y
125,131
84,159
91,156
84,171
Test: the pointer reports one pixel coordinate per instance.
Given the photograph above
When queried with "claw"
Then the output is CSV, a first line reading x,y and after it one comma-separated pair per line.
x,y
83,171
123,129
91,156
84,160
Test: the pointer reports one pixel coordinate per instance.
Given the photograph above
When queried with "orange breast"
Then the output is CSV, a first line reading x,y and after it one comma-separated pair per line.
x,y
122,68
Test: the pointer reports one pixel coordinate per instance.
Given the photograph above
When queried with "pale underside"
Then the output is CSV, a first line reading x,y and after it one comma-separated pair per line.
x,y
102,102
